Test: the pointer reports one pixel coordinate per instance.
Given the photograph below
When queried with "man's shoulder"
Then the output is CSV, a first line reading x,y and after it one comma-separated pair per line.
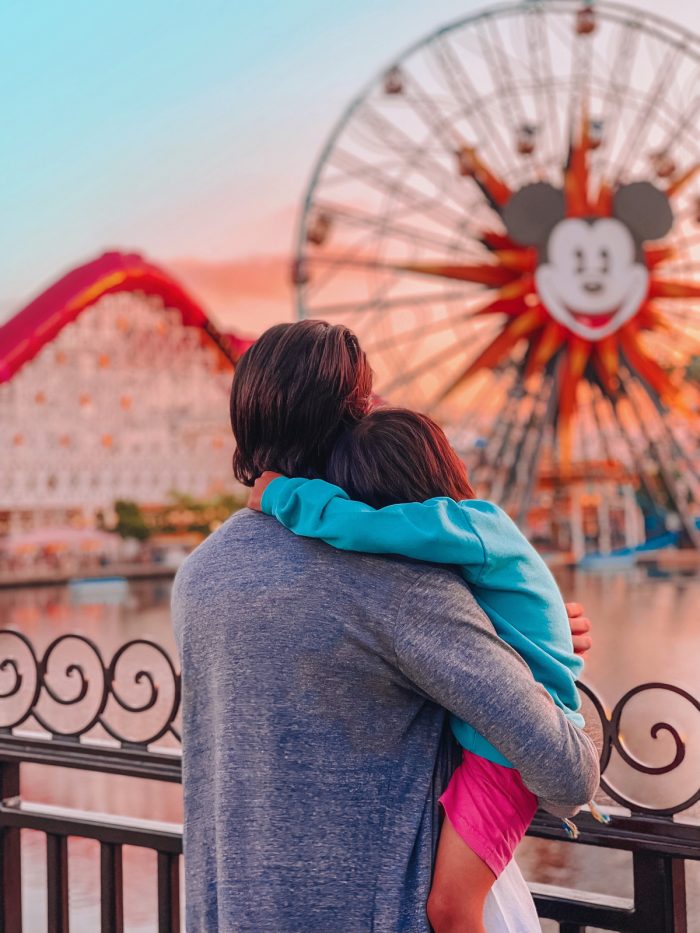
x,y
252,540
241,530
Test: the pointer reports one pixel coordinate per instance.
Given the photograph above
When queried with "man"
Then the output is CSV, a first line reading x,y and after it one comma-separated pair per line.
x,y
316,684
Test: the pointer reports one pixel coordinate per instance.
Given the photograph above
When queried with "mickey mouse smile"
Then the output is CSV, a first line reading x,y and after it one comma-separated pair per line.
x,y
592,320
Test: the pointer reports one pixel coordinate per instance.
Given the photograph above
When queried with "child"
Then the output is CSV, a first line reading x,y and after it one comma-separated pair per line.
x,y
396,486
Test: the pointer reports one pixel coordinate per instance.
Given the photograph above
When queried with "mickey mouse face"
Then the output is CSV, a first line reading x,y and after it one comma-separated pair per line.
x,y
591,276
592,282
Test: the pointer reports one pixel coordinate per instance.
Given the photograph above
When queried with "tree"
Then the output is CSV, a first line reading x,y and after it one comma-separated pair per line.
x,y
130,520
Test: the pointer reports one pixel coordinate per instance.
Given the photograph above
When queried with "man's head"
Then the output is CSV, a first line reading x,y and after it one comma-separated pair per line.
x,y
293,393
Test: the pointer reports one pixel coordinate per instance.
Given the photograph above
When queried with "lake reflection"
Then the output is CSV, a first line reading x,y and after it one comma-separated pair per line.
x,y
646,628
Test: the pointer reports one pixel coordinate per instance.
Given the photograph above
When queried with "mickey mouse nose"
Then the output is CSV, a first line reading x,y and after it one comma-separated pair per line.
x,y
593,287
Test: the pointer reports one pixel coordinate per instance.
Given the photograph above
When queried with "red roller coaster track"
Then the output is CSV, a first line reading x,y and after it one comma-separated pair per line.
x,y
38,323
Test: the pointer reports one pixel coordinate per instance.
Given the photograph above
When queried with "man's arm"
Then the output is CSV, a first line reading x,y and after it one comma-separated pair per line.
x,y
449,651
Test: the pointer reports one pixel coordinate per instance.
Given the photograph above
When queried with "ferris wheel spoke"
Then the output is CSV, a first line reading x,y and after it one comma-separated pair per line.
x,y
688,241
622,63
618,442
508,90
452,143
494,436
430,329
686,314
382,224
435,121
413,198
522,460
634,138
487,399
418,156
348,261
389,304
671,349
526,466
325,267
682,322
683,122
465,92
540,65
662,414
442,356
676,488
499,70
681,337
596,403
420,151
500,440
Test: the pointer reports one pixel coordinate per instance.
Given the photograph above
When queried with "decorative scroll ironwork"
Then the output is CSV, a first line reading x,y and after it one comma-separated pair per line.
x,y
613,740
31,684
72,673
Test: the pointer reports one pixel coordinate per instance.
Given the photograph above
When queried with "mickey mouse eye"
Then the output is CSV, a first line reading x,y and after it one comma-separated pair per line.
x,y
580,264
604,260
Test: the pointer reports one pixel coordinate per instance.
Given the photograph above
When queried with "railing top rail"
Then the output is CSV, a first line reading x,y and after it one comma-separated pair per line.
x,y
132,703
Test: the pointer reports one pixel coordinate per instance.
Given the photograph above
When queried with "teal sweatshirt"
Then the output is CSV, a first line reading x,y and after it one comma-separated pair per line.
x,y
507,576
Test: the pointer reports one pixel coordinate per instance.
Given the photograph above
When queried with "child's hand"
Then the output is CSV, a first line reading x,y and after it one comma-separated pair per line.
x,y
256,493
580,627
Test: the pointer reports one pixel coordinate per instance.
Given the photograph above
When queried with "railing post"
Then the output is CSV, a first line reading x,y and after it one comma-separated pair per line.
x,y
168,893
57,883
10,856
112,888
659,894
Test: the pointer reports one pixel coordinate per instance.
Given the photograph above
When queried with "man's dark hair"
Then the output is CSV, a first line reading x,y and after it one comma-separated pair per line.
x,y
294,392
397,455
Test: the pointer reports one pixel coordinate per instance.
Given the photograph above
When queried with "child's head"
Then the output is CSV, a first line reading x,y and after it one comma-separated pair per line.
x,y
396,455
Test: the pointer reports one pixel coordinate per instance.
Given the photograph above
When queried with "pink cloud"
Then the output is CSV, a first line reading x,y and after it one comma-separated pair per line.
x,y
245,295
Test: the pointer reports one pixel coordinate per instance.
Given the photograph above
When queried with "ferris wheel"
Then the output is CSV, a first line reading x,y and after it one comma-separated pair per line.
x,y
509,218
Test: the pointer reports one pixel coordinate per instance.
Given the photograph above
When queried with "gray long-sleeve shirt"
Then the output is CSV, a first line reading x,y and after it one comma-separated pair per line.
x,y
315,685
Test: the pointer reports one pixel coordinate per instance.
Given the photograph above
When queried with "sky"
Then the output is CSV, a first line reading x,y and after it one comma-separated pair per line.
x,y
184,130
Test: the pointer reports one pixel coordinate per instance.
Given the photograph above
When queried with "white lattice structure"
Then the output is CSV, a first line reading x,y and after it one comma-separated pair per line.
x,y
125,403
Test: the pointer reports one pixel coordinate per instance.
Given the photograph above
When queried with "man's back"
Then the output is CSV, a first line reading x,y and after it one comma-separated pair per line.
x,y
311,767
314,739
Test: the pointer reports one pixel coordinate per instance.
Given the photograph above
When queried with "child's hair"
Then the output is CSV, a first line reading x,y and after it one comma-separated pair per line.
x,y
397,455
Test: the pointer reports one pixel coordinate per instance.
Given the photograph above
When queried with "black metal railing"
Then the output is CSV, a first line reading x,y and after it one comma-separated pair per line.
x,y
67,707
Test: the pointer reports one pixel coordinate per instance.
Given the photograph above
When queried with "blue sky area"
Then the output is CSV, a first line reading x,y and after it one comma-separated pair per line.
x,y
182,129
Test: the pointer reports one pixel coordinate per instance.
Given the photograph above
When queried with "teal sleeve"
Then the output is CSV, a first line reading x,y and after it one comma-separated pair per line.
x,y
438,531
507,576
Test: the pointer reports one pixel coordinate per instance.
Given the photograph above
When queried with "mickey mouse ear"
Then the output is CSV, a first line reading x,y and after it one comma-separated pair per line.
x,y
531,213
645,209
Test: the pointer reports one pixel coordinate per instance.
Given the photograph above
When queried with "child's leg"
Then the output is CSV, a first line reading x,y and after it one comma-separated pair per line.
x,y
460,885
487,811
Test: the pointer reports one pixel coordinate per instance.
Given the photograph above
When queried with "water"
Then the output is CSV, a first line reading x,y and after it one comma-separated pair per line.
x,y
646,628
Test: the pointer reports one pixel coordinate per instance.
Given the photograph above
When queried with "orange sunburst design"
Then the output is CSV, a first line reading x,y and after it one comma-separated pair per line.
x,y
513,290
576,175
509,337
548,342
644,365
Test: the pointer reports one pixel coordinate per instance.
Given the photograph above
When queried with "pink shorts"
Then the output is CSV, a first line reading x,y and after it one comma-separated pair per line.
x,y
490,808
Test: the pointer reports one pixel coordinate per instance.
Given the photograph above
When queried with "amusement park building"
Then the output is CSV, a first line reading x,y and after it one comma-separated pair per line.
x,y
113,385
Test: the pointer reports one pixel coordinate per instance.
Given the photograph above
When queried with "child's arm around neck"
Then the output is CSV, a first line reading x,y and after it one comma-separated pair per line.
x,y
438,531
